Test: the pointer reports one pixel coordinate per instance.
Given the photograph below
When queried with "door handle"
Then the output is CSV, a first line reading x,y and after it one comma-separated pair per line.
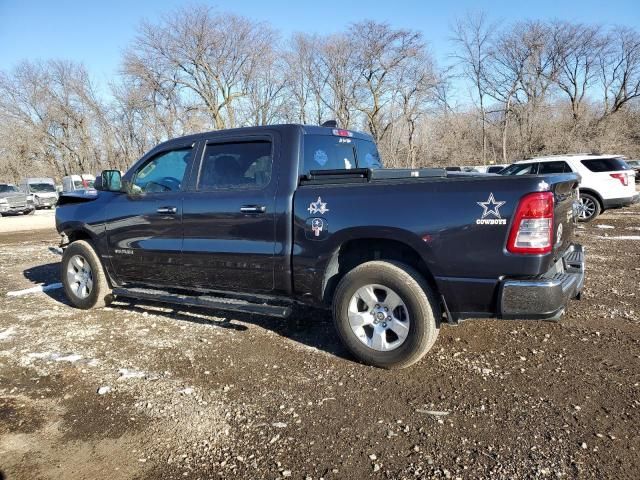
x,y
167,210
253,209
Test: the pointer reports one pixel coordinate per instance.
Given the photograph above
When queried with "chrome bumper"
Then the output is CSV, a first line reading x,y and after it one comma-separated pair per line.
x,y
546,296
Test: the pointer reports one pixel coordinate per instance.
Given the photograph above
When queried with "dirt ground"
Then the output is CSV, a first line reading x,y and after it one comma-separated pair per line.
x,y
38,220
198,395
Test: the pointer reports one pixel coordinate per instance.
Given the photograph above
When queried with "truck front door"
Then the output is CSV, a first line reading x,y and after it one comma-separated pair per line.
x,y
144,225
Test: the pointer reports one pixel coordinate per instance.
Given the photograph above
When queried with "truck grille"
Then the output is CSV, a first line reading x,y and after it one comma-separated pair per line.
x,y
16,202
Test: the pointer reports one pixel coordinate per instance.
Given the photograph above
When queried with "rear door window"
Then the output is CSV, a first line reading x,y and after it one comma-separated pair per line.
x,y
554,167
236,165
605,164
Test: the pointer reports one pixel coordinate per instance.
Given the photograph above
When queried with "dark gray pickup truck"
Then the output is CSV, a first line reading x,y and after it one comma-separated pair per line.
x,y
258,219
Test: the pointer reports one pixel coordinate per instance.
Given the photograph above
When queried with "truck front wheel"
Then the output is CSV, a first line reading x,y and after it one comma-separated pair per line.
x,y
386,314
83,278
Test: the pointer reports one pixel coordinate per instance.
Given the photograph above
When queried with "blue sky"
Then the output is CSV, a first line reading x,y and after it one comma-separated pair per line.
x,y
96,32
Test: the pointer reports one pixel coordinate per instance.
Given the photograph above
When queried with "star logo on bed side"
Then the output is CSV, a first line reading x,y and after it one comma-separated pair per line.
x,y
491,207
318,207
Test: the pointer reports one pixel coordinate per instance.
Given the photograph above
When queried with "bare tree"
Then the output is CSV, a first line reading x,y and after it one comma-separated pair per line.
x,y
212,56
620,69
472,35
381,54
578,48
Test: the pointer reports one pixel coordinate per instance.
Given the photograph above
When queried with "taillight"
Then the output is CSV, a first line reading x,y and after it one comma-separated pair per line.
x,y
532,227
624,179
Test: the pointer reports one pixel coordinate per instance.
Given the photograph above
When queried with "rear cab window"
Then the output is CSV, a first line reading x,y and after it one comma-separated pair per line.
x,y
332,152
605,164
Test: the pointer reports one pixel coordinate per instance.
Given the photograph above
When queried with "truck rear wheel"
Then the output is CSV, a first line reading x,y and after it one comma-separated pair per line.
x,y
386,314
83,278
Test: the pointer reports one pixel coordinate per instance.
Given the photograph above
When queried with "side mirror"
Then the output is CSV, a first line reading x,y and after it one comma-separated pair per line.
x,y
109,181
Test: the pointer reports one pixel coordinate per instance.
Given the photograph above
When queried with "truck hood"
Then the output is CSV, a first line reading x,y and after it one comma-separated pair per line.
x,y
79,196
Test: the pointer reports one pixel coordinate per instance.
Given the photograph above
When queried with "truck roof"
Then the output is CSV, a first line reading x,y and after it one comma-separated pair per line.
x,y
306,130
38,180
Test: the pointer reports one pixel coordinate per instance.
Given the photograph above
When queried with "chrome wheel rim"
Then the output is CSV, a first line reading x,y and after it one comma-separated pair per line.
x,y
379,317
587,207
79,277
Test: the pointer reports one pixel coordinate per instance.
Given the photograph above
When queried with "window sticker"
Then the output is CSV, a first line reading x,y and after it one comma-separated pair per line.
x,y
320,157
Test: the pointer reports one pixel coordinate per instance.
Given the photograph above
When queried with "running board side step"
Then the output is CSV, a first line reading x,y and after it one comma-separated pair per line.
x,y
203,301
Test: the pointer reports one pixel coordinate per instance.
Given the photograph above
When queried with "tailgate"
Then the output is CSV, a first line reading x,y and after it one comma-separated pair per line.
x,y
565,212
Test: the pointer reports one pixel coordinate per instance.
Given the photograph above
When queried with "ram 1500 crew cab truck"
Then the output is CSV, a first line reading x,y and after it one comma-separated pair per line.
x,y
258,219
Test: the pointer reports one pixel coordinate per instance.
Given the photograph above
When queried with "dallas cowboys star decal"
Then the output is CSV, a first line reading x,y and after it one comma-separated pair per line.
x,y
318,207
493,210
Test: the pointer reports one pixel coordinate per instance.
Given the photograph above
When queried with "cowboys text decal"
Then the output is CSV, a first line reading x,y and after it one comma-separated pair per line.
x,y
491,209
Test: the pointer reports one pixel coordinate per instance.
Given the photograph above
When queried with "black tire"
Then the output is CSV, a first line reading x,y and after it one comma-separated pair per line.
x,y
100,293
590,207
30,212
421,304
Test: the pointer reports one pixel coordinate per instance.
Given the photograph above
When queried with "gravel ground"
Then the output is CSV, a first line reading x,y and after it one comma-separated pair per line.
x,y
141,391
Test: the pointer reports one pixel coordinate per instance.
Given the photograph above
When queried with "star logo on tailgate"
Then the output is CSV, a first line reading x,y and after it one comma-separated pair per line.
x,y
491,207
318,207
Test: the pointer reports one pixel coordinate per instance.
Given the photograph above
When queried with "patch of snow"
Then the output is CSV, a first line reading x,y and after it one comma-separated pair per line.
x,y
126,374
605,226
623,237
104,390
74,357
8,332
38,289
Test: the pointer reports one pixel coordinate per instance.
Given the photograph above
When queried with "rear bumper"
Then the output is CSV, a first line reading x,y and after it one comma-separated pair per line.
x,y
620,202
546,296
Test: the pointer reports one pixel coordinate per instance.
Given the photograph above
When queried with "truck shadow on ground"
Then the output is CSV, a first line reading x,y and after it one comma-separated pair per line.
x,y
310,327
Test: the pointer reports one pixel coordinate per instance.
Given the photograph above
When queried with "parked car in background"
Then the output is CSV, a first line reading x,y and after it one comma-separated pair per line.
x,y
496,168
73,183
607,181
40,191
13,201
635,164
488,168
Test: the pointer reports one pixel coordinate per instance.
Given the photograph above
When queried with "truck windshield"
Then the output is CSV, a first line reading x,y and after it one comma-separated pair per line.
x,y
8,188
329,152
41,187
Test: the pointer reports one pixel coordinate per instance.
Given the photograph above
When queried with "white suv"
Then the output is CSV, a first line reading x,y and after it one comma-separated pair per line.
x,y
607,180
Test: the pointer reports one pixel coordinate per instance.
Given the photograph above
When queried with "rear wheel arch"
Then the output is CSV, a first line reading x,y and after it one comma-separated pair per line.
x,y
355,252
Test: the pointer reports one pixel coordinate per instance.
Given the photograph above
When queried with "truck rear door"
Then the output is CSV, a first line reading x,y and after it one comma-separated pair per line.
x,y
229,216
